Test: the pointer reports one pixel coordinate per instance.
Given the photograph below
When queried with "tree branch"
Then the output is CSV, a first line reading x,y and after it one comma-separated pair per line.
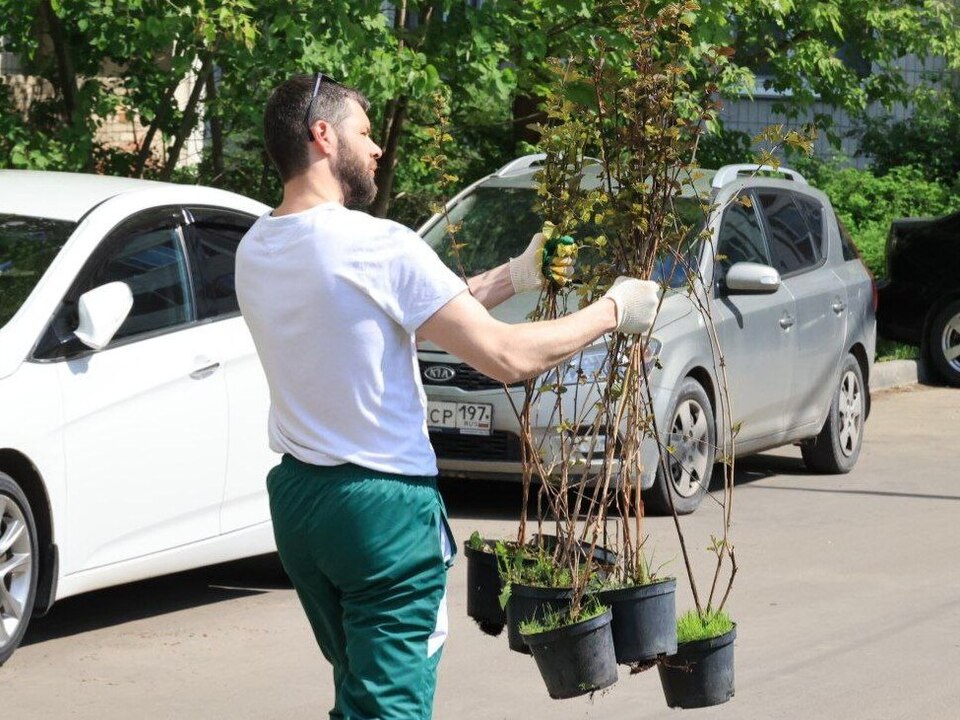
x,y
189,120
65,70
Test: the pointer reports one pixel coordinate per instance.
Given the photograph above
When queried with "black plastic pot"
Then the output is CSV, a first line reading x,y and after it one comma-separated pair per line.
x,y
644,620
483,591
576,659
601,555
700,674
528,603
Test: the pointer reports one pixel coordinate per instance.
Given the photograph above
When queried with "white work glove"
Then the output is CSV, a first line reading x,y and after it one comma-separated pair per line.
x,y
636,302
527,270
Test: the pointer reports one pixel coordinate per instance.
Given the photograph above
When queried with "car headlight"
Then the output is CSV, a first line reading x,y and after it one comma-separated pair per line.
x,y
592,365
589,365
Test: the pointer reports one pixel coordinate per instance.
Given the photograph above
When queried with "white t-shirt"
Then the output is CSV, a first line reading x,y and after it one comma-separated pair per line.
x,y
333,298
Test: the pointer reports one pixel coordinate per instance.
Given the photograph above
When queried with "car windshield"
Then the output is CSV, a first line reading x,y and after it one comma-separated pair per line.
x,y
496,223
27,247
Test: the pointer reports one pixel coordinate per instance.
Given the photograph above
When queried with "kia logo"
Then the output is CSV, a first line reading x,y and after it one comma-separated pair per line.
x,y
439,373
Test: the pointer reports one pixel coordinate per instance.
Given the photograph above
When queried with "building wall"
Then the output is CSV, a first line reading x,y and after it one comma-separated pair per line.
x,y
753,115
121,130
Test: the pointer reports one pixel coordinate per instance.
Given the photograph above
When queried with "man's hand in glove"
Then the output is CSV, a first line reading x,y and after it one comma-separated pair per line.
x,y
636,301
548,258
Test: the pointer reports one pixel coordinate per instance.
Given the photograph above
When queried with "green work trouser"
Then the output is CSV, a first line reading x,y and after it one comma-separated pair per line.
x,y
363,550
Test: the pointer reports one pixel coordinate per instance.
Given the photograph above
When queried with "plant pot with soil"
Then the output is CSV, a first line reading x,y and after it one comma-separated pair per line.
x,y
575,657
700,673
484,585
644,620
534,588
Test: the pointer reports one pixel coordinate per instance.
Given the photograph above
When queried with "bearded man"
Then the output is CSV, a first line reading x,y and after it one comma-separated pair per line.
x,y
335,300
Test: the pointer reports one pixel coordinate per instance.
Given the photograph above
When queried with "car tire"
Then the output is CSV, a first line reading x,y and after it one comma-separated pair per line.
x,y
691,441
836,448
18,565
943,338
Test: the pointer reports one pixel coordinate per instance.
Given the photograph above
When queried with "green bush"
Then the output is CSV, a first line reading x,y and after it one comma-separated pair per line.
x,y
927,139
867,203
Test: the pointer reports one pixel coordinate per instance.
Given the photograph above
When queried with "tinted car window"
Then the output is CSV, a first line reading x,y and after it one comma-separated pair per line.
x,y
846,243
152,262
812,212
791,243
147,253
27,247
214,235
741,239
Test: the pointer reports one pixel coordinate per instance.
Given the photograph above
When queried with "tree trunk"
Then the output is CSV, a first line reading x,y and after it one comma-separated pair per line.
x,y
189,119
526,111
65,69
216,130
158,119
387,167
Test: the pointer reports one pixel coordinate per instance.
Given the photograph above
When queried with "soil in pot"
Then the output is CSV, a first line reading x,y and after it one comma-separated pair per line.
x,y
644,620
483,590
576,659
700,674
528,602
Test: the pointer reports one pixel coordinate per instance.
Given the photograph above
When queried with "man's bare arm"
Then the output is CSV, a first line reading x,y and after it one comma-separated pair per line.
x,y
509,353
492,287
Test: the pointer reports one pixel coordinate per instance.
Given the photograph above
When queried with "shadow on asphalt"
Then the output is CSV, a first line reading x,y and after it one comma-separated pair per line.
x,y
158,596
501,500
870,493
218,583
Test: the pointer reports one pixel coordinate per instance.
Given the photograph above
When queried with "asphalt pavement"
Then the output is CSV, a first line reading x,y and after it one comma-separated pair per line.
x,y
847,601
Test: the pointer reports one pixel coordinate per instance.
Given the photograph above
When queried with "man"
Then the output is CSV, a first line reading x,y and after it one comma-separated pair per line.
x,y
335,300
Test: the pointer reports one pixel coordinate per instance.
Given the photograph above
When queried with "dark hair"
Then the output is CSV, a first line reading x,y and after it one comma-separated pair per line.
x,y
285,122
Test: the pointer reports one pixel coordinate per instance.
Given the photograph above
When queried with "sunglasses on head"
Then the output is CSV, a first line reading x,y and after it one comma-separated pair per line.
x,y
321,77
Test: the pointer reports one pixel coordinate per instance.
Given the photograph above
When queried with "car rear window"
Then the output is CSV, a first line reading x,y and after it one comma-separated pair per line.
x,y
27,247
791,241
812,212
849,248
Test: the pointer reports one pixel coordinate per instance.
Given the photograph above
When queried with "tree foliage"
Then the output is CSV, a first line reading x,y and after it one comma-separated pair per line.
x,y
867,202
96,58
927,140
840,52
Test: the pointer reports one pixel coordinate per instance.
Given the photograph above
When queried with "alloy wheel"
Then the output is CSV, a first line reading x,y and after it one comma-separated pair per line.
x,y
850,413
689,443
950,342
16,568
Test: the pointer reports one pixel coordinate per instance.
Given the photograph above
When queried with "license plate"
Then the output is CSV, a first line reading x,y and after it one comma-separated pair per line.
x,y
460,417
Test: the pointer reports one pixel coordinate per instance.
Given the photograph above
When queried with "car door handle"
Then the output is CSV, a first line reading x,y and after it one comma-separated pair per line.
x,y
787,321
839,306
205,371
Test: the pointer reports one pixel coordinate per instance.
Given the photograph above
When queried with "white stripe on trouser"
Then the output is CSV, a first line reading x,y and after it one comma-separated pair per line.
x,y
439,634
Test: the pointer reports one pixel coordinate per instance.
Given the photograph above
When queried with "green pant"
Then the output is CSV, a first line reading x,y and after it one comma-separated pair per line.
x,y
363,550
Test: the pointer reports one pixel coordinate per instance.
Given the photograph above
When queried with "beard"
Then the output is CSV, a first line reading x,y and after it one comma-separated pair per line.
x,y
358,186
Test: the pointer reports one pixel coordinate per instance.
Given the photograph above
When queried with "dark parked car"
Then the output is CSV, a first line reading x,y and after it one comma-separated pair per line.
x,y
920,302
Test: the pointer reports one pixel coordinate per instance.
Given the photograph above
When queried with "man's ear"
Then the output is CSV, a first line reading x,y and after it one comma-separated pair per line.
x,y
323,137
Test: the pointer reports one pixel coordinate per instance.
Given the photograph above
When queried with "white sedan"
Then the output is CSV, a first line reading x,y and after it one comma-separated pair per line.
x,y
132,404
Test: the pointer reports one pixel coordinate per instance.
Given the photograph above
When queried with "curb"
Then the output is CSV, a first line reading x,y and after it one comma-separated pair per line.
x,y
896,373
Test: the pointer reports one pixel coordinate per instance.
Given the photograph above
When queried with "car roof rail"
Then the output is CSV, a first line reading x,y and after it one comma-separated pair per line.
x,y
522,164
729,173
514,167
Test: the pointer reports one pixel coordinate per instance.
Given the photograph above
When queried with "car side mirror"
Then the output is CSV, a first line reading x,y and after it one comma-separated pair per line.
x,y
102,312
748,277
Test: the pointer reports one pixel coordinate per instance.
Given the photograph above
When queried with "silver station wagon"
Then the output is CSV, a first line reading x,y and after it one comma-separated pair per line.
x,y
791,301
